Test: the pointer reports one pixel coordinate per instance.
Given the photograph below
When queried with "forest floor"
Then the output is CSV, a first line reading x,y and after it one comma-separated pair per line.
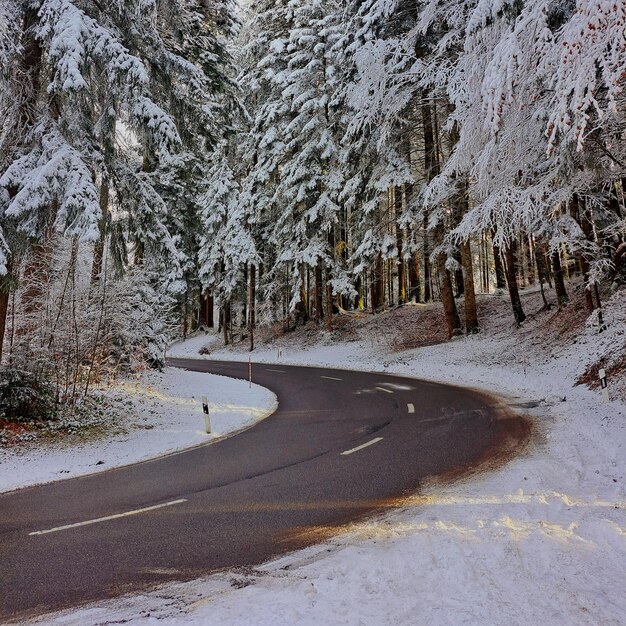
x,y
541,539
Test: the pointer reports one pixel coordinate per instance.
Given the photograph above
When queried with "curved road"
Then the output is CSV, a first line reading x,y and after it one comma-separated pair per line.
x,y
341,444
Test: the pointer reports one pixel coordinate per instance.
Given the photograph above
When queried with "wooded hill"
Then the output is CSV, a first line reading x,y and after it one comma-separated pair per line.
x,y
169,164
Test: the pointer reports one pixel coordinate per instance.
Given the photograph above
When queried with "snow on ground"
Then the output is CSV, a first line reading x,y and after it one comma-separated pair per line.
x,y
540,540
163,414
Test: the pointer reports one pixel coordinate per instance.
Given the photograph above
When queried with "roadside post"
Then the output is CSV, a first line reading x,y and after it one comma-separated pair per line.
x,y
603,384
207,417
250,371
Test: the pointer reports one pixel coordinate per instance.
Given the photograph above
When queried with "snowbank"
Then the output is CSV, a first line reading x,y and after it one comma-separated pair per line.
x,y
164,414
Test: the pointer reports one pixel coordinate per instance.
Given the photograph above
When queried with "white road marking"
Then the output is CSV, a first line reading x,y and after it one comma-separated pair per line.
x,y
410,407
271,370
331,378
398,387
108,517
369,443
383,389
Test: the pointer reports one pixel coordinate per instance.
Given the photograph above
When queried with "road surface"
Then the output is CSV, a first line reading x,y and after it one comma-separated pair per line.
x,y
341,445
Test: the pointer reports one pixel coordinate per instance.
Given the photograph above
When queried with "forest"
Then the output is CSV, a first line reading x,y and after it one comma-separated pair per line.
x,y
169,165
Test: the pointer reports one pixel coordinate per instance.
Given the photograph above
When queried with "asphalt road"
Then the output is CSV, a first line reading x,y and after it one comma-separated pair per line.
x,y
277,486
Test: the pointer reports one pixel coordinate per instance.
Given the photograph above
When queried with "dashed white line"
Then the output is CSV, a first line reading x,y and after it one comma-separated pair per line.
x,y
331,378
410,408
269,369
108,517
365,445
383,389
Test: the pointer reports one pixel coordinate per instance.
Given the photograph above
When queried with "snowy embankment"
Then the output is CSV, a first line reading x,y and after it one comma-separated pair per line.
x,y
162,413
540,540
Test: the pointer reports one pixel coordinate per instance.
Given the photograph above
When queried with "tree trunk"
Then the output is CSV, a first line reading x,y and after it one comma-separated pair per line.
x,y
5,292
531,259
414,278
303,305
329,302
458,275
329,286
471,313
319,291
499,267
453,321
226,322
186,314
251,304
98,248
430,171
511,278
206,310
542,270
559,283
244,311
580,212
400,246
36,275
380,283
485,262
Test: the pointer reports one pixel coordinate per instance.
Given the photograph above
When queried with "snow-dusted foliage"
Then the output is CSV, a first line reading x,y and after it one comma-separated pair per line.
x,y
590,72
319,155
108,116
226,243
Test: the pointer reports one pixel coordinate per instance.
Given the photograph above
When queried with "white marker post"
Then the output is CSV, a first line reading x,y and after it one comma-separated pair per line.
x,y
603,384
207,417
250,371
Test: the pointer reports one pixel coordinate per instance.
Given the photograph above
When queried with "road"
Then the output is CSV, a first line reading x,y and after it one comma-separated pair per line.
x,y
341,445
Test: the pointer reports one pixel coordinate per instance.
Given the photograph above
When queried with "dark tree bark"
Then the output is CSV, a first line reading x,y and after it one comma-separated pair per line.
x,y
511,278
484,262
302,307
373,296
471,312
453,321
458,275
380,283
244,317
226,322
559,283
430,171
400,246
251,304
580,212
329,302
5,292
542,270
414,278
319,294
206,310
329,286
98,249
499,267
531,260
36,275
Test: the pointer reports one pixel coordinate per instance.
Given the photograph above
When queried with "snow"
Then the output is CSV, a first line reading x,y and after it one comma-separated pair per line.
x,y
164,414
539,540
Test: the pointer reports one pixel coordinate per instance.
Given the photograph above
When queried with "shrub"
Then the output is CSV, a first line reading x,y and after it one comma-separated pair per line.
x,y
25,396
